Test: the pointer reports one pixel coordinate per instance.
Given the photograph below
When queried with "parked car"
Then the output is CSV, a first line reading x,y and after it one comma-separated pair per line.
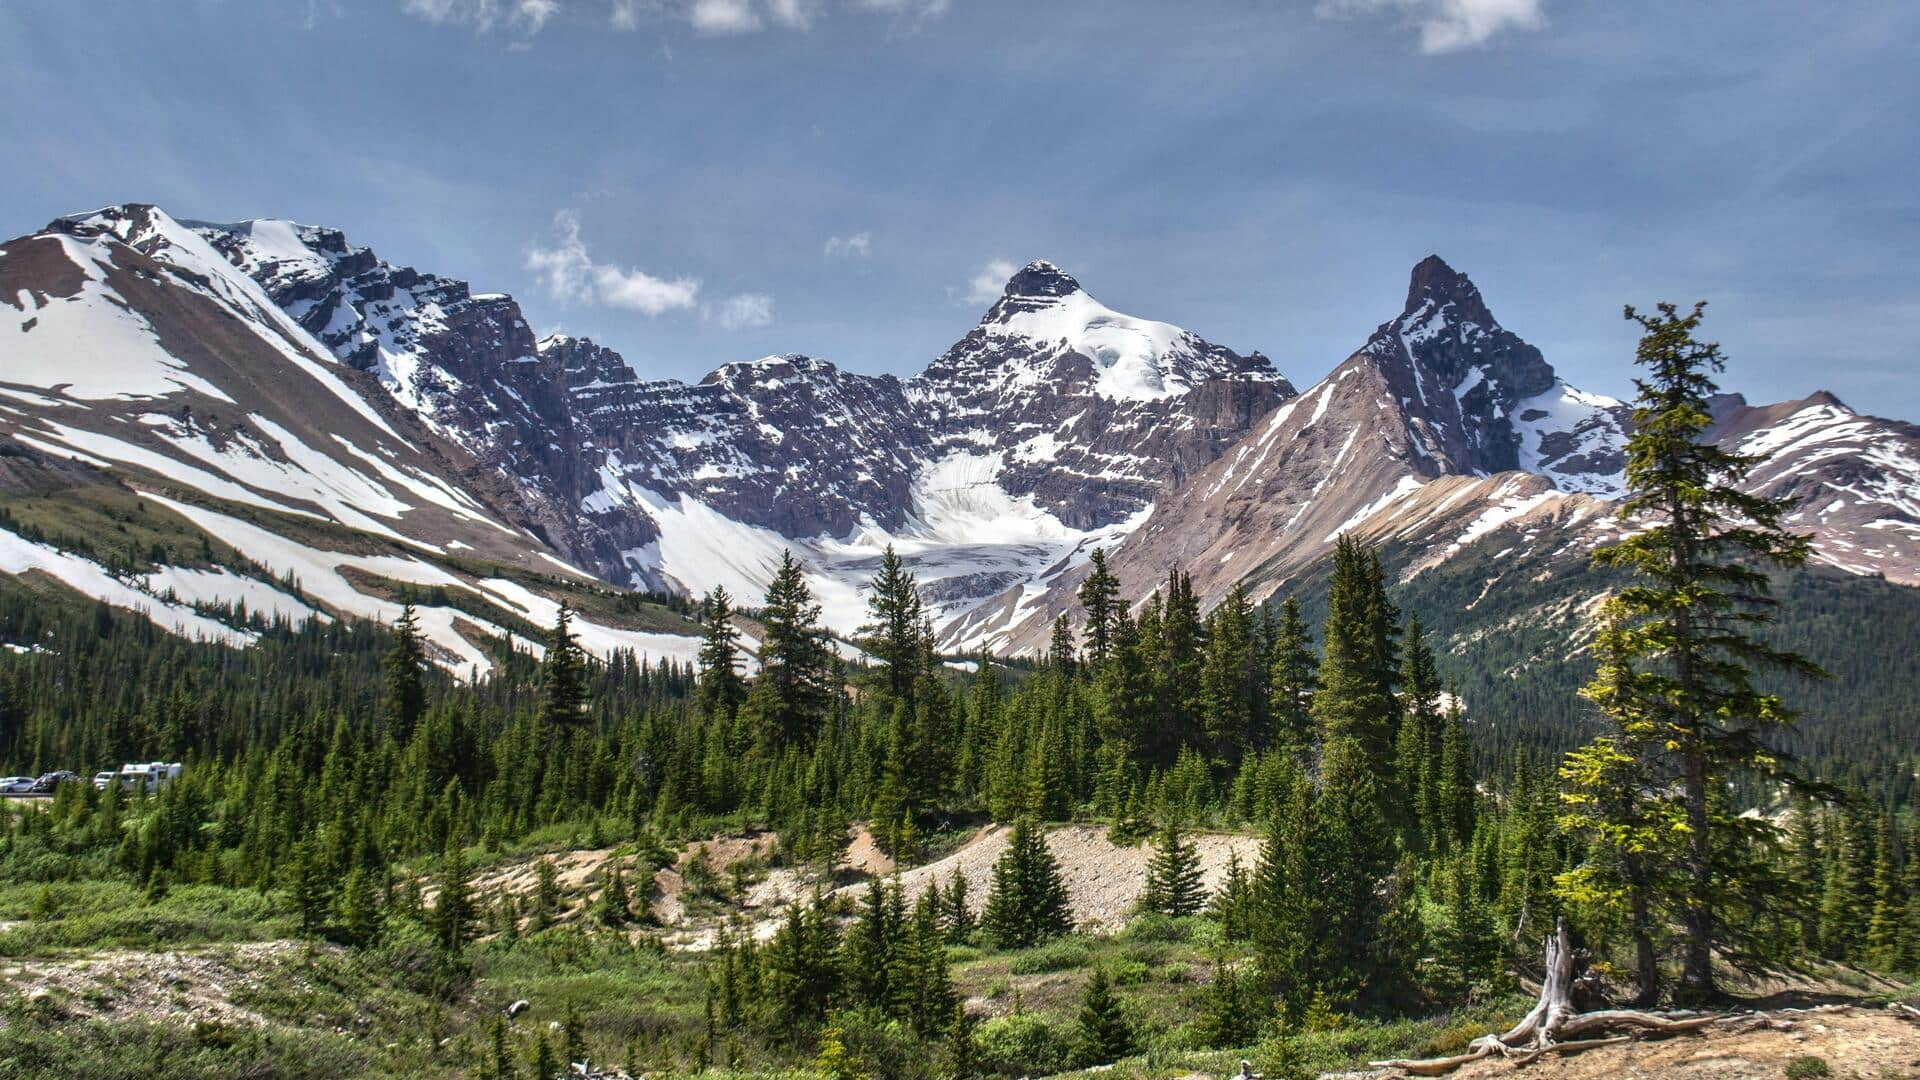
x,y
103,778
48,781
10,785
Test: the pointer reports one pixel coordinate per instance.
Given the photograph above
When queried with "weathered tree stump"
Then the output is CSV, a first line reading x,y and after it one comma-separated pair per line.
x,y
1552,1027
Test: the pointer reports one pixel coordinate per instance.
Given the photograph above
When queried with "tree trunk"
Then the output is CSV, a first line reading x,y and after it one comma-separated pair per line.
x,y
1539,1032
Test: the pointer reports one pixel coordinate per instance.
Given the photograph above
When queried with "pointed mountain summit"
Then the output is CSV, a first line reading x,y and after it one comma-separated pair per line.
x,y
1089,410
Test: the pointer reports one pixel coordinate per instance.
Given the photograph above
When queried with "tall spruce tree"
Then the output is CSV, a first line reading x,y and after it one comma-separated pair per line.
x,y
892,634
792,695
1292,677
1691,621
721,688
563,675
1100,597
1354,701
405,668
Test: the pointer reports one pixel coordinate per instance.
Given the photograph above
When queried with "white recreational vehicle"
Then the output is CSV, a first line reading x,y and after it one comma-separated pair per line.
x,y
148,777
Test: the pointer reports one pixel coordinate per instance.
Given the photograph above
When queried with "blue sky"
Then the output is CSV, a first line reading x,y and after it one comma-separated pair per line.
x,y
698,181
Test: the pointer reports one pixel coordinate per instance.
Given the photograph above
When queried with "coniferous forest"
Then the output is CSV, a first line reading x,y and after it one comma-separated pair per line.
x,y
1414,839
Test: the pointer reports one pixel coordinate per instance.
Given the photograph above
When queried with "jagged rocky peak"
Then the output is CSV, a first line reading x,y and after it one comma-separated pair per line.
x,y
1032,287
1447,328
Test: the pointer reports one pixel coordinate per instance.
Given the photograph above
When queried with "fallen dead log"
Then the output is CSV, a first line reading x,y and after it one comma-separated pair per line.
x,y
1551,1026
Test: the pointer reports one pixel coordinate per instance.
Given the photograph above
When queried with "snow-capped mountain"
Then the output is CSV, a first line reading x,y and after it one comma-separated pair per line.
x,y
1445,431
1045,431
140,360
366,427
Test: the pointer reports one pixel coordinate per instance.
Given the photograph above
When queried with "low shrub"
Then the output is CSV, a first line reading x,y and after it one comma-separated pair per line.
x,y
1063,954
1022,1045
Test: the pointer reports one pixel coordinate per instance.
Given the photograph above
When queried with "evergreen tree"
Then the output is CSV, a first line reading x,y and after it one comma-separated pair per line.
x,y
1613,800
1061,652
614,899
1354,701
1233,680
1100,597
405,665
801,966
956,917
1173,875
793,692
1103,1034
311,885
362,920
1696,546
892,636
1293,675
1234,1008
923,985
1027,902
546,893
454,912
563,675
721,688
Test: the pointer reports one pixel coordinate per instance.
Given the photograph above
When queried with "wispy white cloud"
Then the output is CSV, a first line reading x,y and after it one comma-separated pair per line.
x,y
990,282
857,246
528,16
728,17
1447,25
572,276
739,312
724,16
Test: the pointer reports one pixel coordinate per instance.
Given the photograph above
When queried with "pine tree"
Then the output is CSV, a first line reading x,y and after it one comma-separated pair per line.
x,y
962,1051
362,920
546,1066
867,955
1285,920
1103,1034
1234,1008
1173,875
1027,903
924,987
1889,906
1100,597
956,917
1612,799
311,885
1061,652
454,912
405,666
613,907
801,968
1292,677
721,688
1233,680
1354,701
546,894
1697,546
791,697
1417,749
563,675
892,636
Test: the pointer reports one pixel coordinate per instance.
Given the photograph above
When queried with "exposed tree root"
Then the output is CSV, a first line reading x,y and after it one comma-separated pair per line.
x,y
1552,1027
